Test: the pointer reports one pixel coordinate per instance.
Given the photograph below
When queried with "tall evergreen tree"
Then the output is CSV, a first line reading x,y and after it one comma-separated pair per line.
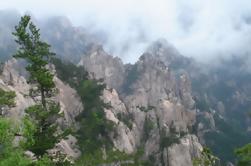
x,y
37,53
41,134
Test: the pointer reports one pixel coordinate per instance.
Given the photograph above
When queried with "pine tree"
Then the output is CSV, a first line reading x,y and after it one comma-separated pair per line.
x,y
7,99
37,53
244,155
40,118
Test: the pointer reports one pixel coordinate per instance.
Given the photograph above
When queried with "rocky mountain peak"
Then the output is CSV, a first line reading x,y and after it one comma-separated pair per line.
x,y
163,51
144,93
166,53
161,45
101,65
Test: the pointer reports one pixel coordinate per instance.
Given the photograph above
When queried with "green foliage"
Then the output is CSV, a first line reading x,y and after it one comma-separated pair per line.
x,y
244,155
131,77
94,127
44,161
10,155
90,92
206,159
36,53
126,119
138,161
29,129
90,159
227,137
6,132
69,72
146,109
202,105
167,140
7,98
148,126
14,157
114,156
40,128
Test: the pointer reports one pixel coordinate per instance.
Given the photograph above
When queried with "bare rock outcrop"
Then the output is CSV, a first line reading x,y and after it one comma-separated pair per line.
x,y
70,102
101,65
182,154
155,103
150,104
68,147
12,79
123,138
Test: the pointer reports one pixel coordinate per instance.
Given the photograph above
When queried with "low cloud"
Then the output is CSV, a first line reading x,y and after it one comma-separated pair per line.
x,y
201,29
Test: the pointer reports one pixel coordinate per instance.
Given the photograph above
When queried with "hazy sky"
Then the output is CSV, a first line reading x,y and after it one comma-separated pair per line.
x,y
198,28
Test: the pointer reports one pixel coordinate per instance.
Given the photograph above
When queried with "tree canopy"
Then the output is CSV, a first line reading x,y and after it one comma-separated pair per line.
x,y
37,53
39,124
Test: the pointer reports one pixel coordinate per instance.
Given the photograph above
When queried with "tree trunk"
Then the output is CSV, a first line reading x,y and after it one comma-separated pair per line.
x,y
43,97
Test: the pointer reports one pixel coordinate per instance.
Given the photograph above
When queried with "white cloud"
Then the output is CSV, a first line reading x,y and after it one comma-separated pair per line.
x,y
199,28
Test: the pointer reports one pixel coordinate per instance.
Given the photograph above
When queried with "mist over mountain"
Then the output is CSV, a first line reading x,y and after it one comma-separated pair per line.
x,y
203,30
60,32
187,85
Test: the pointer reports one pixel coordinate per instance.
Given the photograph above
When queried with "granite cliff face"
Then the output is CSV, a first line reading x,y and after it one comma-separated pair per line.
x,y
164,97
13,78
101,65
151,105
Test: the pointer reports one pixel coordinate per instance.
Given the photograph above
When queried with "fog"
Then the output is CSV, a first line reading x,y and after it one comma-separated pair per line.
x,y
203,29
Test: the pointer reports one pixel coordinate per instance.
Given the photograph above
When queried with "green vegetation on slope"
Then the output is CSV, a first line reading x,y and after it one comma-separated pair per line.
x,y
224,141
206,159
93,133
94,127
36,53
7,98
14,155
244,155
39,129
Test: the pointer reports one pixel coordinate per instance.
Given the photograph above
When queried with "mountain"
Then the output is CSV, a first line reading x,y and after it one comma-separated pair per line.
x,y
13,78
158,105
156,116
224,91
68,42
163,73
161,110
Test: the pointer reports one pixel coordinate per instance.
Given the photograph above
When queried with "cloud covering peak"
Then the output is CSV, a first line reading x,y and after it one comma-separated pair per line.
x,y
201,29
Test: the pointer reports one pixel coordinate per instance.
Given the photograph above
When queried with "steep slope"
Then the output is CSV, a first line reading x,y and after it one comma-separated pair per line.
x,y
223,92
13,78
152,107
101,65
149,98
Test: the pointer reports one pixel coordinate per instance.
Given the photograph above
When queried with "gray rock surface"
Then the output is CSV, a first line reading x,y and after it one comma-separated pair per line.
x,y
12,80
182,154
149,104
101,65
154,100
